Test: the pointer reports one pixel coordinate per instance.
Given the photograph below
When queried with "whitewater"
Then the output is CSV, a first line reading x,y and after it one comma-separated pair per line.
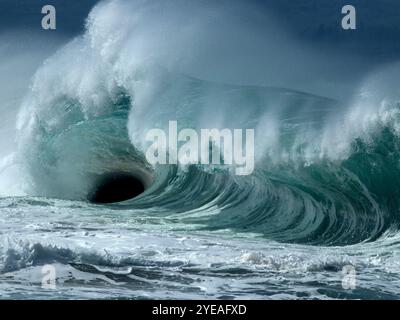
x,y
324,194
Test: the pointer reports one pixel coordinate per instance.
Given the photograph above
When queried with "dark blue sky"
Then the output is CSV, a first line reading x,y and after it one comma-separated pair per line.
x,y
26,14
314,21
378,24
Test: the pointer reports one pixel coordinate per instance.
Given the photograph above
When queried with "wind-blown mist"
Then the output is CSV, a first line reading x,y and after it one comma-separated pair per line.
x,y
20,57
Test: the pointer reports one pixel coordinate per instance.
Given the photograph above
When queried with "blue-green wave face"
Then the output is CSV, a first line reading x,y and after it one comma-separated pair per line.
x,y
324,193
301,191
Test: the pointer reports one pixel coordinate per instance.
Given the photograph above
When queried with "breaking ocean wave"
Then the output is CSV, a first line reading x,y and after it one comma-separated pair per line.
x,y
323,195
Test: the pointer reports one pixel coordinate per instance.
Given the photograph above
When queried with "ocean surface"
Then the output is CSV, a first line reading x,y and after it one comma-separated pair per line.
x,y
324,196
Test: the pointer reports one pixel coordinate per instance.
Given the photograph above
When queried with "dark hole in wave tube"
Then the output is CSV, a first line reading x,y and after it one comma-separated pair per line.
x,y
116,187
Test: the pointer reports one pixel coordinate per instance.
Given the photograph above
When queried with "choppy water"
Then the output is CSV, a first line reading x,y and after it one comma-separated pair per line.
x,y
109,253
